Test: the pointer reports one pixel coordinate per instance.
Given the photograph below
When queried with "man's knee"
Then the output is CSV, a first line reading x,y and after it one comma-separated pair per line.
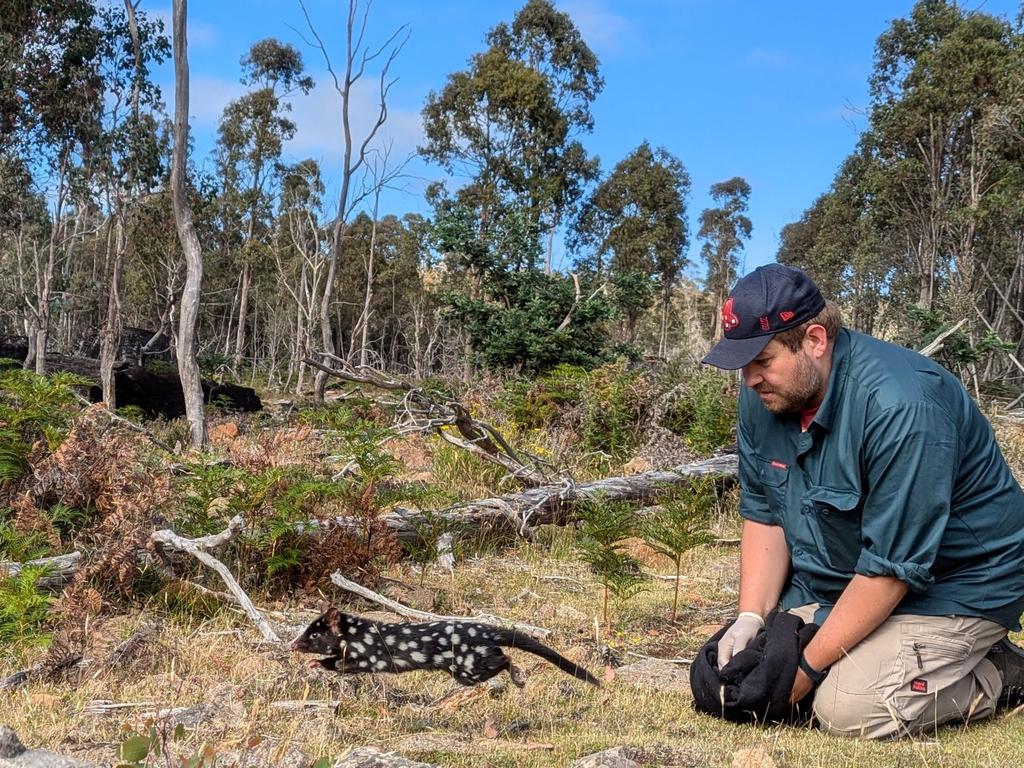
x,y
857,715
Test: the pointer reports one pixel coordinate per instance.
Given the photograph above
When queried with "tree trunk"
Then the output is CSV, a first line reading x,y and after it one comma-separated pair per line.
x,y
110,335
188,368
243,311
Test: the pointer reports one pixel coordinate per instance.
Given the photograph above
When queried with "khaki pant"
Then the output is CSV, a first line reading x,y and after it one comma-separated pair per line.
x,y
909,676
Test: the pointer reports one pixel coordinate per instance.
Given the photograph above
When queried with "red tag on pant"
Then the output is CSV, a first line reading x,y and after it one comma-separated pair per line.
x,y
919,685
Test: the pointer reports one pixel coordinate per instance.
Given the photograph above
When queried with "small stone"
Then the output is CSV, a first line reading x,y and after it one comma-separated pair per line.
x,y
616,757
371,757
10,744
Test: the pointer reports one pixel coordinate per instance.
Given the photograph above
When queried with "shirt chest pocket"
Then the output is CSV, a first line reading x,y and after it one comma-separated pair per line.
x,y
774,477
833,521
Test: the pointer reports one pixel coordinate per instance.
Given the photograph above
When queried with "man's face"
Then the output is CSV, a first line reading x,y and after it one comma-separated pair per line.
x,y
787,382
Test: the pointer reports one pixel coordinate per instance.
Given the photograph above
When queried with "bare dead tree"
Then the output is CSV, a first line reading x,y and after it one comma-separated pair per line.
x,y
358,55
188,367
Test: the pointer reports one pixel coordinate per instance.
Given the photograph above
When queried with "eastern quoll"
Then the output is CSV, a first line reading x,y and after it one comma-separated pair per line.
x,y
468,651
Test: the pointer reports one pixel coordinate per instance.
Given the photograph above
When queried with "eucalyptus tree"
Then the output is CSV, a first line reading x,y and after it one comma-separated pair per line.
x,y
632,231
251,136
188,367
723,230
50,104
510,121
128,153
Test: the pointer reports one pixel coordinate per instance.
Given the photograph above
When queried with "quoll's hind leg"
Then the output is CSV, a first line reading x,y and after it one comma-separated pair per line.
x,y
487,665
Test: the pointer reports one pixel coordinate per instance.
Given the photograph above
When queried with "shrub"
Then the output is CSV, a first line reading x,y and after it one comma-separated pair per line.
x,y
705,412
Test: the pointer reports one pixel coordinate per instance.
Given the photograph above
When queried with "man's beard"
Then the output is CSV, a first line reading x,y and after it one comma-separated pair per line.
x,y
801,393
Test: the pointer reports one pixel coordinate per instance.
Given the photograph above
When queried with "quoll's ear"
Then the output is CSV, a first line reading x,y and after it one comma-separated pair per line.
x,y
333,619
323,606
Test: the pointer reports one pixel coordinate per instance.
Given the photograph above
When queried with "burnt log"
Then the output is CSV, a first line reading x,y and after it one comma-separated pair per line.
x,y
160,394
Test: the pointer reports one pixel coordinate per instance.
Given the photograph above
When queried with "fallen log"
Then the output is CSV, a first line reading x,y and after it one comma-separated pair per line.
x,y
546,504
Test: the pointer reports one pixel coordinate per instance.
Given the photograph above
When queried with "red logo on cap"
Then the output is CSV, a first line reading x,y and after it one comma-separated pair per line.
x,y
764,324
729,318
786,315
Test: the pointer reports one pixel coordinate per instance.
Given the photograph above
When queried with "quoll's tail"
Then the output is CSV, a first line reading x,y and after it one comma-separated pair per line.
x,y
513,639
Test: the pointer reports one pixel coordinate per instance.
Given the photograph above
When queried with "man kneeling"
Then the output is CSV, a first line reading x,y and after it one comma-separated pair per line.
x,y
876,504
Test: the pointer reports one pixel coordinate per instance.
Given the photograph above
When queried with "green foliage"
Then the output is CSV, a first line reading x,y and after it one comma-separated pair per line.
x,y
604,526
536,403
515,315
430,527
705,411
613,410
957,348
18,546
141,750
633,230
606,405
22,608
32,407
513,112
679,525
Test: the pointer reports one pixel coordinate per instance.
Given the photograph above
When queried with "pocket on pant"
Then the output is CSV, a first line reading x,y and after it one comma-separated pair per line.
x,y
929,663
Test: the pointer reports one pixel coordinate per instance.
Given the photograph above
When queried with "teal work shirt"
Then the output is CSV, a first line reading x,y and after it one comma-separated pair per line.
x,y
899,474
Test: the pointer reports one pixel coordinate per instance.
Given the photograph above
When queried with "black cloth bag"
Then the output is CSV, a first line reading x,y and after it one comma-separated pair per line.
x,y
754,686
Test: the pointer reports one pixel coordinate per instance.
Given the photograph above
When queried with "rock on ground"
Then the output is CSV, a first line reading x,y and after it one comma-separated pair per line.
x,y
616,757
371,757
13,754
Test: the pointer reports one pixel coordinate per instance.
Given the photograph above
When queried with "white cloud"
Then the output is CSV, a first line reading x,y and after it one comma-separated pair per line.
x,y
318,120
602,30
207,98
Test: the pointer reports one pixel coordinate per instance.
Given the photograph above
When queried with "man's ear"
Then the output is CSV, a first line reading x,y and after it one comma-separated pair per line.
x,y
816,341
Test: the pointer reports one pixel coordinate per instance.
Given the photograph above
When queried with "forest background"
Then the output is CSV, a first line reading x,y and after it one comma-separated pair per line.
x,y
533,320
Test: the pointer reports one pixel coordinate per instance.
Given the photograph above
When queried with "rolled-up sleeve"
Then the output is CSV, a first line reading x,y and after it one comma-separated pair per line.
x,y
753,503
910,459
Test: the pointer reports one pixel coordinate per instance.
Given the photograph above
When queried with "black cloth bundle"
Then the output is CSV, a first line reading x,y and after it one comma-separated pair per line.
x,y
755,685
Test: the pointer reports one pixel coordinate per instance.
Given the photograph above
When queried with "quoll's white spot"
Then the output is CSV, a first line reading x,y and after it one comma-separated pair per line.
x,y
352,630
389,640
368,638
448,654
413,644
449,628
357,647
438,660
481,649
406,631
464,648
418,657
456,639
470,659
403,646
362,664
400,663
472,632
382,664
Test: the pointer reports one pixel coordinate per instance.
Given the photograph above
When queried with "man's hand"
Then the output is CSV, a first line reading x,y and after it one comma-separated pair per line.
x,y
738,636
802,685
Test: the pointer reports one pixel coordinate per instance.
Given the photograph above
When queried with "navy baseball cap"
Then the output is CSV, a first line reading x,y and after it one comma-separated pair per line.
x,y
770,299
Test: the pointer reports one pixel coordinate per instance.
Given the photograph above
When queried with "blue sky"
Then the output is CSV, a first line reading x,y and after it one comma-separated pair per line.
x,y
771,91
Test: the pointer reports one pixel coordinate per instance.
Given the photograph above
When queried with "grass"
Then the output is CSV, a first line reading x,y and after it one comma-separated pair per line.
x,y
556,720
208,653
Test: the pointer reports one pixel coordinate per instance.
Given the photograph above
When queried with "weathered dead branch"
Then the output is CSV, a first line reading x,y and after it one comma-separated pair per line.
x,y
59,570
547,504
412,613
197,548
417,411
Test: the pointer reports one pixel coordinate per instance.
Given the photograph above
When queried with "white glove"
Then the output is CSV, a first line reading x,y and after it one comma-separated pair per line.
x,y
738,636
